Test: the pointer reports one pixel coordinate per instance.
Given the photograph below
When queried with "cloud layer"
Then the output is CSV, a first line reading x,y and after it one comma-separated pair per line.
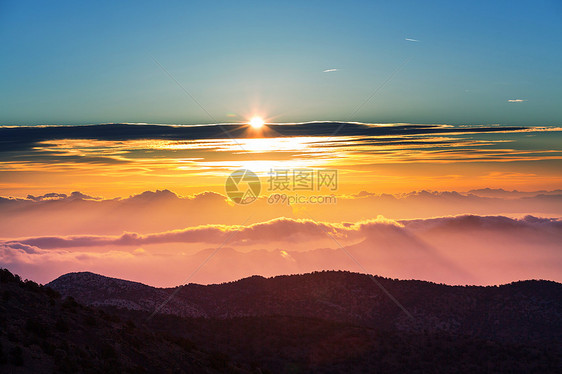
x,y
464,249
24,137
163,210
116,159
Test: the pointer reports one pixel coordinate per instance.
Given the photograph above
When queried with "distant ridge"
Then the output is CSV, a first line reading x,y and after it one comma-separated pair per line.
x,y
520,310
99,290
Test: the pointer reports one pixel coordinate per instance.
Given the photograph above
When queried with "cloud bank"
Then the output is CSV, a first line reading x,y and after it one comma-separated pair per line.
x,y
163,210
465,249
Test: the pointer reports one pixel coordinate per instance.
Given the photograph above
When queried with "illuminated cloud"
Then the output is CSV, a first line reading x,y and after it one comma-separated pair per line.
x,y
411,40
458,250
120,159
516,100
163,210
54,140
52,196
330,70
282,230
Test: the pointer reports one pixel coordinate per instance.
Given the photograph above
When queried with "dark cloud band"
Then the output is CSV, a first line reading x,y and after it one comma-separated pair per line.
x,y
25,137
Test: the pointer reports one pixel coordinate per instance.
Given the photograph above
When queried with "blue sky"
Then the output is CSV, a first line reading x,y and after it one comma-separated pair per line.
x,y
69,62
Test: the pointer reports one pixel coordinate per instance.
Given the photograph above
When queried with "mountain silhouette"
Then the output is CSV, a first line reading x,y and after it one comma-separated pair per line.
x,y
516,312
41,332
325,322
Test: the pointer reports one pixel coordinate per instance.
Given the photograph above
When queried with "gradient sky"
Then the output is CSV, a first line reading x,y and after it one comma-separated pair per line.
x,y
67,62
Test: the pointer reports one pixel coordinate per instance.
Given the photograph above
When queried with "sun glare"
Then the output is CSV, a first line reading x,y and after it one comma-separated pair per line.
x,y
256,122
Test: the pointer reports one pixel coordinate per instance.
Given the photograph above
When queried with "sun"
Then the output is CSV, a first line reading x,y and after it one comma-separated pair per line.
x,y
257,122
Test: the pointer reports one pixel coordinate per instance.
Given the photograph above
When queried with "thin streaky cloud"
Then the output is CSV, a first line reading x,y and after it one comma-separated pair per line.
x,y
516,100
412,40
330,70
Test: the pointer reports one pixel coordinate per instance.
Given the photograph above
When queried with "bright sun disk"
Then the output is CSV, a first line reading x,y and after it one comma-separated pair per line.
x,y
256,122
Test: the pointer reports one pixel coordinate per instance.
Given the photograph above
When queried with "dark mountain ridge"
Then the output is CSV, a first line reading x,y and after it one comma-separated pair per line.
x,y
263,325
520,311
41,332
